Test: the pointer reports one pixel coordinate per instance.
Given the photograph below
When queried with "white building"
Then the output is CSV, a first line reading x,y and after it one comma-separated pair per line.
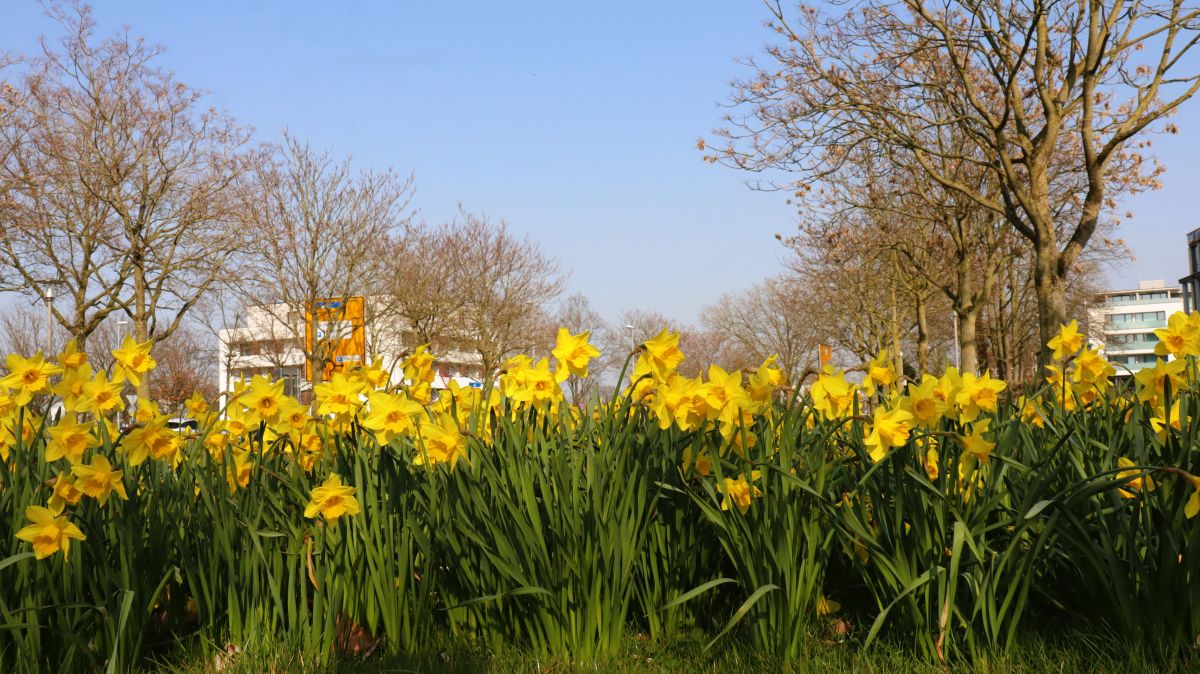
x,y
271,341
1122,323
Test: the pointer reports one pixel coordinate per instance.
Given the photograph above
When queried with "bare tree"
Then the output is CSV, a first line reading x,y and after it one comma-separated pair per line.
x,y
315,230
935,239
186,363
23,330
118,183
771,318
1053,96
509,287
428,277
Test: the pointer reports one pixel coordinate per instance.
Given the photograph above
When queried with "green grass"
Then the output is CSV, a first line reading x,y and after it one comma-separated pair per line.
x,y
1065,654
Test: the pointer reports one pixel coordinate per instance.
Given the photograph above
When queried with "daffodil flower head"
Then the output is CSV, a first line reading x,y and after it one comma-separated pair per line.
x,y
662,352
572,354
49,532
738,493
332,500
28,376
1067,342
133,360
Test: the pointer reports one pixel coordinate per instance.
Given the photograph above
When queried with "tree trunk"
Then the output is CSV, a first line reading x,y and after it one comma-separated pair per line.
x,y
897,358
141,331
1051,297
967,341
922,337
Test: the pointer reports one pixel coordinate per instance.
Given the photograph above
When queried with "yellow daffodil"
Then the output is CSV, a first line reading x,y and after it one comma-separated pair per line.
x,y
49,532
98,479
71,357
662,352
1192,508
765,381
888,429
152,439
738,493
1032,412
930,458
1162,422
947,387
70,439
701,462
1181,337
146,411
722,396
673,403
1144,482
1152,381
880,374
977,394
391,416
974,442
1067,342
332,500
293,415
64,492
72,388
832,395
196,405
441,442
132,360
418,371
238,475
538,386
738,432
101,396
340,396
826,606
572,354
28,376
1093,369
264,397
926,408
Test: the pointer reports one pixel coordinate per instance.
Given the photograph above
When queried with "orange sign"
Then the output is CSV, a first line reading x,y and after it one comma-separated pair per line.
x,y
335,331
824,355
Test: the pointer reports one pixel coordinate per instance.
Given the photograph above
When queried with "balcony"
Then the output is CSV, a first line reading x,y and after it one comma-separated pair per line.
x,y
1112,347
1124,368
1114,302
1134,325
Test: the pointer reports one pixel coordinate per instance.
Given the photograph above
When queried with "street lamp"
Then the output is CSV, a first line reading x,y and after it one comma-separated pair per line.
x,y
48,299
629,329
49,318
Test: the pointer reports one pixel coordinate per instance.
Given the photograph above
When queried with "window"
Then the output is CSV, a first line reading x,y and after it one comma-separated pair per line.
x,y
1116,320
1131,337
1156,296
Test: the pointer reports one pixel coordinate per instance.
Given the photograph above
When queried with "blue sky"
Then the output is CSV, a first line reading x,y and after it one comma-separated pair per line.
x,y
576,122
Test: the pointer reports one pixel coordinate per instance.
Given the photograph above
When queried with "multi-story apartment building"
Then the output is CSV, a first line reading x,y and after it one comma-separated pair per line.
x,y
270,341
1191,282
1122,323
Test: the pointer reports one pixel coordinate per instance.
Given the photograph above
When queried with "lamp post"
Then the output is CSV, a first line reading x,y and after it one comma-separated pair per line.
x,y
47,298
49,318
121,323
957,348
629,329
